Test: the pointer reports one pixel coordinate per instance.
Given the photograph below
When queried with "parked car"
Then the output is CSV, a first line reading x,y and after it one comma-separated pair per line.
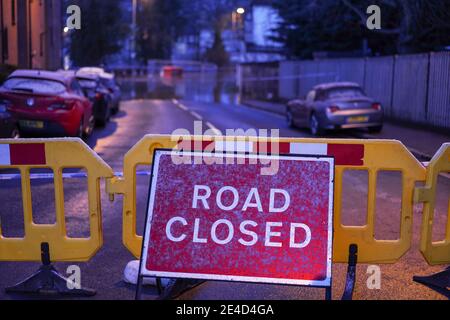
x,y
48,103
9,127
99,96
108,80
338,105
172,72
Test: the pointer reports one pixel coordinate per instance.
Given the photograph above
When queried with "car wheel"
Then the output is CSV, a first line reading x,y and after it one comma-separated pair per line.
x,y
80,131
290,119
115,110
314,126
108,115
15,133
90,128
376,129
104,121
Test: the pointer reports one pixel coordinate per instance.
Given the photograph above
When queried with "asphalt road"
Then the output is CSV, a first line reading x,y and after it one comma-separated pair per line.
x,y
139,117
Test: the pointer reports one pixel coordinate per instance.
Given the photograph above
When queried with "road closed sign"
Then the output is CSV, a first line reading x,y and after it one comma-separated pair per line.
x,y
217,219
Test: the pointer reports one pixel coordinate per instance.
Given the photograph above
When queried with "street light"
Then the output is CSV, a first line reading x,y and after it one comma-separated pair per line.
x,y
134,30
239,28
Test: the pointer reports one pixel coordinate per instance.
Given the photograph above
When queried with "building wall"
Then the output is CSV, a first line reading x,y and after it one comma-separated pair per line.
x,y
34,37
37,31
53,31
9,35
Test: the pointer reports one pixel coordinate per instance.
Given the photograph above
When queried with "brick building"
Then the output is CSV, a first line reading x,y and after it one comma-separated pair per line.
x,y
31,33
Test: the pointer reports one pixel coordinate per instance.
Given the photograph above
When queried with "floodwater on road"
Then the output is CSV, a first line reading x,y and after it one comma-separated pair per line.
x,y
208,87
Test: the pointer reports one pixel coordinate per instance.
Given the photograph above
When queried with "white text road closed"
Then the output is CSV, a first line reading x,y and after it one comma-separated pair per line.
x,y
229,222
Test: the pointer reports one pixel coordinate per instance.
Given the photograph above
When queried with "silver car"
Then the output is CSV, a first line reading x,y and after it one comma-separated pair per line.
x,y
337,105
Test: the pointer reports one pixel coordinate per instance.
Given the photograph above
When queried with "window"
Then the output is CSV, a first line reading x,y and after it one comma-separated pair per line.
x,y
87,83
311,96
41,44
337,93
13,12
75,86
42,86
5,48
108,83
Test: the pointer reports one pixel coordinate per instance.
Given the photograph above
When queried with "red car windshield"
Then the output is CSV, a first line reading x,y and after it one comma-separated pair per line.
x,y
32,85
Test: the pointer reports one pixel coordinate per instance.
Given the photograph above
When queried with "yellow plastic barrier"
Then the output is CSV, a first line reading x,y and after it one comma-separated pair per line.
x,y
56,154
140,154
370,155
379,156
434,252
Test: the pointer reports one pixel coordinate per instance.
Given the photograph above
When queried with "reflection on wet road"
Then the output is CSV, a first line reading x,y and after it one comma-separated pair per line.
x,y
208,86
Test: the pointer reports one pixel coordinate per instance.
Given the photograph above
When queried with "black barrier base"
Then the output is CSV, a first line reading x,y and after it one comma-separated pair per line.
x,y
48,281
173,290
177,287
351,272
439,282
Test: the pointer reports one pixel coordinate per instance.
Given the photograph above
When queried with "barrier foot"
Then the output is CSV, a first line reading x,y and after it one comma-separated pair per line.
x,y
177,287
48,281
439,282
351,272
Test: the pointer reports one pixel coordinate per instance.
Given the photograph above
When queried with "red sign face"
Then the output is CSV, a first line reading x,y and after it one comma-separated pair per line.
x,y
224,220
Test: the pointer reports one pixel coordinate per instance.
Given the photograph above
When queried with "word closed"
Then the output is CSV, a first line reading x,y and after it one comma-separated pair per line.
x,y
229,222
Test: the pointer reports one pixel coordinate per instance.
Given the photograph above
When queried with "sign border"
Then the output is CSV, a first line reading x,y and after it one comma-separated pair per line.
x,y
144,273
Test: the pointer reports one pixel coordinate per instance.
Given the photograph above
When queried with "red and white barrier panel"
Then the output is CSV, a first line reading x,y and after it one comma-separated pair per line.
x,y
344,154
22,154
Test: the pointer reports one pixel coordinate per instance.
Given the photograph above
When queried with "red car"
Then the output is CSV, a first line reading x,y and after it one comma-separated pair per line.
x,y
48,103
172,72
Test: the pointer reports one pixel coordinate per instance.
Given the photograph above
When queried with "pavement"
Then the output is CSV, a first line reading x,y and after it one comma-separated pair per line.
x,y
139,117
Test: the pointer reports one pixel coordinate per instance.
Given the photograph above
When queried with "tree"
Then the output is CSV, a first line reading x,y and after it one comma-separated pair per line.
x,y
158,24
310,26
340,25
217,53
420,25
100,34
161,22
212,15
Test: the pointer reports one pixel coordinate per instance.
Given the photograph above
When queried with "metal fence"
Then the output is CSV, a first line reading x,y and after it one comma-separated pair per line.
x,y
413,88
260,80
438,102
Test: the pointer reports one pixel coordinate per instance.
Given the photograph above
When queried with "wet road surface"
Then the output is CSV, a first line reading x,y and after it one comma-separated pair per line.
x,y
139,117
